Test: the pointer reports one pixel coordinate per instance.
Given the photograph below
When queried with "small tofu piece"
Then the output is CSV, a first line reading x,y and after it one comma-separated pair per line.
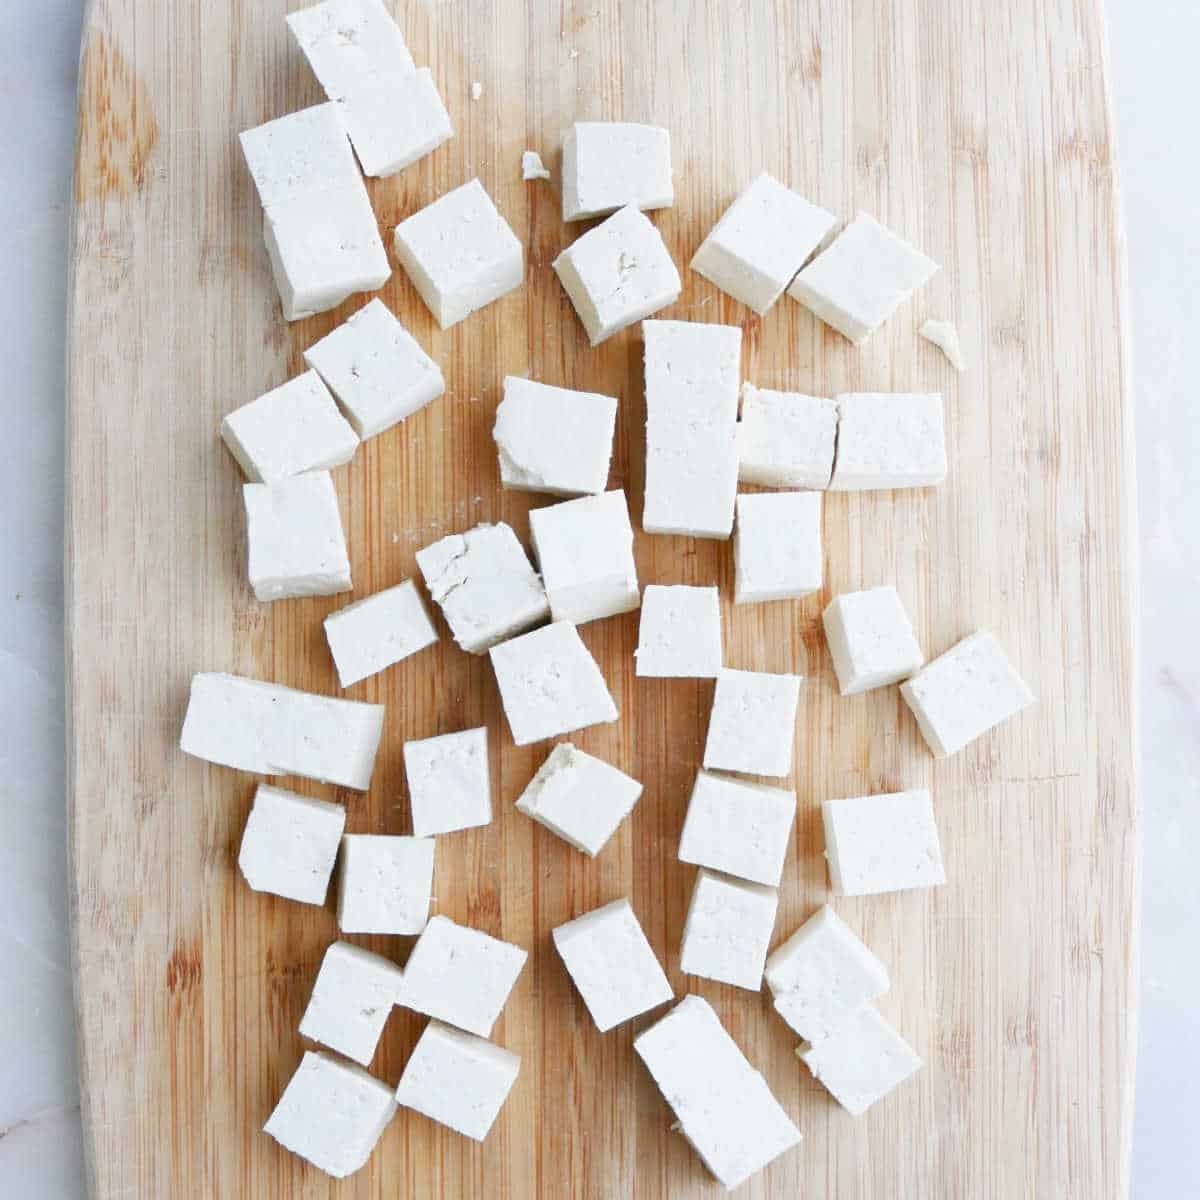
x,y
476,89
376,369
396,121
753,723
738,828
584,548
944,336
889,440
484,584
448,783
864,276
274,730
965,692
550,684
679,636
766,235
290,844
723,1105
885,843
728,930
580,798
609,164
461,975
871,640
374,633
786,439
385,883
618,273
822,975
612,964
351,45
331,1113
777,547
863,1060
460,253
553,439
532,166
457,1079
351,1000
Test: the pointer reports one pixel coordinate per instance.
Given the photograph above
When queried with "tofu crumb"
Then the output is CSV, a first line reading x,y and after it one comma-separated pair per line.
x,y
476,89
944,336
532,166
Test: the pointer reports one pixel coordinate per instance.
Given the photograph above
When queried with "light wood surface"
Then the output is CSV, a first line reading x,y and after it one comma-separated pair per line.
x,y
982,132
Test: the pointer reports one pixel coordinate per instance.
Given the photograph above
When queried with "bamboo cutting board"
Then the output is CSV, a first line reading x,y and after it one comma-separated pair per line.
x,y
982,132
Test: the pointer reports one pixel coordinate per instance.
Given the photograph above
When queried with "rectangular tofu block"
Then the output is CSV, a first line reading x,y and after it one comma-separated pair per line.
x,y
723,1105
889,440
385,883
777,550
885,843
965,692
396,121
274,730
871,640
679,635
351,1000
608,164
786,439
612,964
728,930
753,724
351,45
372,634
448,783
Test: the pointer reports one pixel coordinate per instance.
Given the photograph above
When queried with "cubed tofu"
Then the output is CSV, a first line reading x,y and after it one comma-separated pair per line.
x,y
753,724
375,633
679,635
299,154
885,843
385,883
354,993
448,783
351,45
777,549
889,440
871,640
728,930
786,439
609,164
396,121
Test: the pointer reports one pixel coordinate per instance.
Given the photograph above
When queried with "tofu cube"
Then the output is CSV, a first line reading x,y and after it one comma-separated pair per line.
x,y
753,723
350,45
786,439
728,930
448,783
609,164
871,640
351,1000
532,166
885,843
864,276
460,253
459,1080
612,964
550,684
766,235
385,883
889,440
680,632
290,844
584,548
552,439
618,273
396,121
777,549
374,633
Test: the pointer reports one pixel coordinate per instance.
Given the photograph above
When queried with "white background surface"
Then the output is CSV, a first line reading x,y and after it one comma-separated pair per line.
x,y
1157,88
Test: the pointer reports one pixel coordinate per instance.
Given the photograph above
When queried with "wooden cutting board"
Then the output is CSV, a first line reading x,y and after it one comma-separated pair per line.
x,y
981,131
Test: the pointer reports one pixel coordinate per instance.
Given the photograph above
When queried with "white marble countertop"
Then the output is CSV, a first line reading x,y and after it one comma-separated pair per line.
x,y
1157,91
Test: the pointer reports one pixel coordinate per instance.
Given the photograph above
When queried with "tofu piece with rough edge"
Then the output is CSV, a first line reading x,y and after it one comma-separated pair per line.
x,y
777,550
728,930
618,273
396,121
460,253
944,335
372,634
786,439
532,166
296,545
553,439
765,236
679,636
351,1000
448,783
889,440
580,798
290,844
753,724
385,883
722,1104
331,1113
612,964
274,730
884,843
457,1079
350,45
862,278
871,640
609,164
550,684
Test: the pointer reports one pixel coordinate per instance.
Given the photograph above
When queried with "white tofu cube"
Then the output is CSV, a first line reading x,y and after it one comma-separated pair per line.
x,y
863,1060
376,369
331,1113
753,723
374,633
353,996
290,844
680,632
786,439
550,684
350,44
885,843
396,121
580,798
553,439
457,1079
612,964
618,273
871,640
448,783
584,548
294,533
728,930
766,235
738,828
460,253
484,584
864,276
460,975
777,549
965,692
889,440
385,883
723,1105
609,164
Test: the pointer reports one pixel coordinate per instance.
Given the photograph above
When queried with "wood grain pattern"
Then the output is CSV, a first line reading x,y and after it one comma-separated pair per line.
x,y
981,131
